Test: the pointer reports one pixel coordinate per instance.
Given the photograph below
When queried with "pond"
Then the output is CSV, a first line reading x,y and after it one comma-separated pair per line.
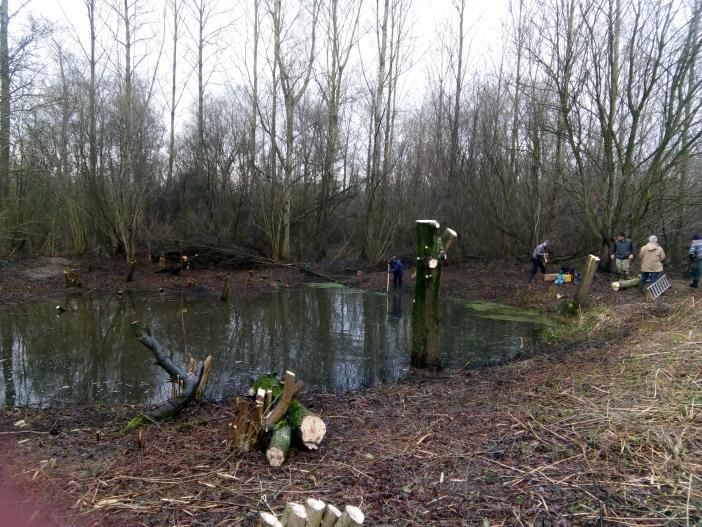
x,y
333,338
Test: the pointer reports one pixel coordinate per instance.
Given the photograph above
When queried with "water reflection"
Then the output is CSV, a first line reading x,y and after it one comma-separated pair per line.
x,y
334,339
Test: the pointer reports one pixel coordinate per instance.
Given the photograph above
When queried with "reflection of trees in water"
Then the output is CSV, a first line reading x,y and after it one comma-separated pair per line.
x,y
332,338
7,394
85,350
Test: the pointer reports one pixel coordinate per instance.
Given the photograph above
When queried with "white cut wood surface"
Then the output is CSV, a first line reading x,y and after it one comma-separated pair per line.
x,y
275,456
312,430
295,515
266,519
351,517
315,512
431,222
331,516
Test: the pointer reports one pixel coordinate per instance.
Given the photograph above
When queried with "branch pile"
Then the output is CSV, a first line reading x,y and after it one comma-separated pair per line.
x,y
314,513
277,417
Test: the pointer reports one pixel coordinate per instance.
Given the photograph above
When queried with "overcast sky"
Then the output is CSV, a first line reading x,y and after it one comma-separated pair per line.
x,y
431,17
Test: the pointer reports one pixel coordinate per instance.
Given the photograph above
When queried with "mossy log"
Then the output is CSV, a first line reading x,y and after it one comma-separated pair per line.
x,y
279,445
308,428
625,284
276,413
191,381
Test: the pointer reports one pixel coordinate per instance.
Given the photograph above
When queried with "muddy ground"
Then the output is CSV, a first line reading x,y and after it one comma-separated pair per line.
x,y
604,428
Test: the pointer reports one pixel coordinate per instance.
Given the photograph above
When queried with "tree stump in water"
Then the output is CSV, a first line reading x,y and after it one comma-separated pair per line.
x,y
71,278
431,255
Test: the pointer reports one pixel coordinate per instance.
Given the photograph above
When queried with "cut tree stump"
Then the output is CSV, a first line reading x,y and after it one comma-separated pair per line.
x,y
331,516
431,255
351,517
315,513
295,515
266,519
584,286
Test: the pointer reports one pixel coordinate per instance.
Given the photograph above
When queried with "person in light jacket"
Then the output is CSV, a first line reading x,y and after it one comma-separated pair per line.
x,y
695,256
652,256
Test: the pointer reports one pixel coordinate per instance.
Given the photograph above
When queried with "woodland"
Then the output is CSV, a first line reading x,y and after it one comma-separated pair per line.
x,y
311,130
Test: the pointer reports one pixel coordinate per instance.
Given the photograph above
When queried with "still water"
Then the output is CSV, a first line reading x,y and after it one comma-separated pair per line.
x,y
332,338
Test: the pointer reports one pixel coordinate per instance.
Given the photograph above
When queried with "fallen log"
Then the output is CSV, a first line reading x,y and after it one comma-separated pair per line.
x,y
190,381
625,284
279,444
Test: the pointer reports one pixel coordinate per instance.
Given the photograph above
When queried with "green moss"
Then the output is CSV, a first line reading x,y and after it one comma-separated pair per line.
x,y
136,422
494,311
568,308
324,285
489,476
268,383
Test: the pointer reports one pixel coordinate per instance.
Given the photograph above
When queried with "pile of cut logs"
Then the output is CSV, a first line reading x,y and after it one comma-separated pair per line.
x,y
274,415
314,513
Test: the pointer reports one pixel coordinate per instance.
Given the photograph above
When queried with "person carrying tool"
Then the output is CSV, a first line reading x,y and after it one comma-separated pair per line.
x,y
652,256
695,256
397,269
539,258
622,254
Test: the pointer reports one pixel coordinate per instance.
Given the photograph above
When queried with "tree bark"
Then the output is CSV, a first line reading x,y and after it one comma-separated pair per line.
x,y
4,102
584,286
431,255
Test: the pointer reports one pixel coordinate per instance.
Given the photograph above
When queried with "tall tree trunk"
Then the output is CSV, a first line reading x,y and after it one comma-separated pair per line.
x,y
4,103
374,177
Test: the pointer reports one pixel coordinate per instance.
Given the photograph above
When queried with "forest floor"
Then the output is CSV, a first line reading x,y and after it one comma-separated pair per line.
x,y
603,428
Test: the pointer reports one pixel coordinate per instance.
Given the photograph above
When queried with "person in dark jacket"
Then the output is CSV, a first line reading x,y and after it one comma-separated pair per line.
x,y
695,256
538,259
397,270
623,254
